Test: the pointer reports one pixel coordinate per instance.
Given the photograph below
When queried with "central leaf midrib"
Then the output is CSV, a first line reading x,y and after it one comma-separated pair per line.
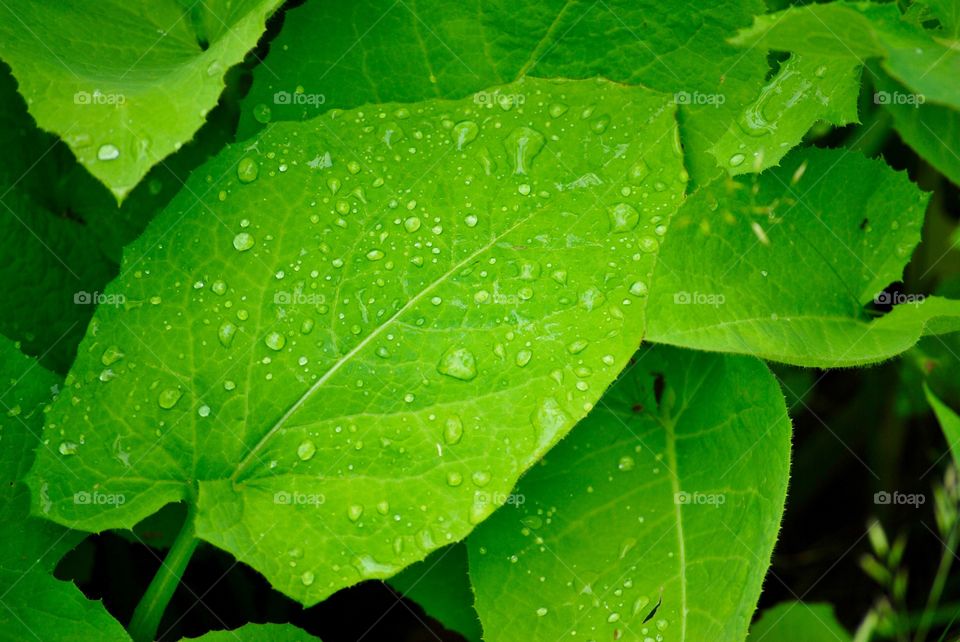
x,y
248,459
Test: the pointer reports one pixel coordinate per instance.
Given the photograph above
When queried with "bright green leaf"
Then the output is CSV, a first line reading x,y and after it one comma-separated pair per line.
x,y
806,89
656,516
133,81
34,604
793,258
798,622
258,633
440,585
369,319
380,50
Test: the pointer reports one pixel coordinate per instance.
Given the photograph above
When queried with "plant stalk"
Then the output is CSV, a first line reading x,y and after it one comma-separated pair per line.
x,y
149,612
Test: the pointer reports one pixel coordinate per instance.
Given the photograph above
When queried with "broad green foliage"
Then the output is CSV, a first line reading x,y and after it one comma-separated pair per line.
x,y
949,422
916,79
378,336
656,516
258,633
33,604
805,90
133,81
795,255
440,585
798,622
381,50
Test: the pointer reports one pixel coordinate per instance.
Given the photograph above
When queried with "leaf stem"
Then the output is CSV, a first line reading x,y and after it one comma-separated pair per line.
x,y
147,616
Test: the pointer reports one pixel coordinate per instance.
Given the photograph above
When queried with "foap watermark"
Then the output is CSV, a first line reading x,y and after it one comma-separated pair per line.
x,y
699,298
97,97
898,98
898,298
696,498
98,298
698,98
896,498
496,98
97,498
298,98
283,498
284,297
500,499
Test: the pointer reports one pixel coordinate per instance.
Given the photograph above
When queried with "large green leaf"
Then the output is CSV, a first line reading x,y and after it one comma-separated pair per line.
x,y
381,50
787,263
798,622
367,320
34,604
655,517
805,90
133,81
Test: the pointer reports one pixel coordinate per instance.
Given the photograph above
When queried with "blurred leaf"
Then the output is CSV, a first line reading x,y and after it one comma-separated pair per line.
x,y
259,633
949,423
798,622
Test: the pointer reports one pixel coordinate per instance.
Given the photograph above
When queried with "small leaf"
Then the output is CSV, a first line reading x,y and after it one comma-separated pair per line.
x,y
793,257
798,622
805,90
258,633
949,423
35,605
333,355
656,516
440,585
128,84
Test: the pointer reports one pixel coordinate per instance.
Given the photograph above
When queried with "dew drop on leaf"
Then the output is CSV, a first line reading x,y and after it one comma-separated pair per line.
x,y
306,450
247,169
458,363
243,241
168,398
275,341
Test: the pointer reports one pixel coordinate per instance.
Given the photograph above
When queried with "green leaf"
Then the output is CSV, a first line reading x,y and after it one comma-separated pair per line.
x,y
656,516
798,622
949,423
948,14
132,82
381,50
440,585
368,319
861,31
788,261
34,604
806,89
930,129
259,633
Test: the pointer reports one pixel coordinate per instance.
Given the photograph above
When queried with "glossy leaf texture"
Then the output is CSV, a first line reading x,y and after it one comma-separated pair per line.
x,y
379,50
791,265
656,517
368,325
798,622
34,604
134,81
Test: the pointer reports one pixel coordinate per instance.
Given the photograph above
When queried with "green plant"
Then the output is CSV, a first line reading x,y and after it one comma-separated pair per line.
x,y
474,299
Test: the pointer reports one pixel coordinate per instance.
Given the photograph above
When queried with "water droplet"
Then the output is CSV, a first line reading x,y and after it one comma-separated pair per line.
x,y
480,478
306,450
464,133
275,341
354,512
623,217
458,363
454,479
737,159
243,241
374,255
549,419
247,169
542,611
522,145
613,617
204,410
578,346
169,397
108,152
523,357
453,430
307,578
219,287
262,113
638,288
470,220
68,448
626,463
412,224
111,355
225,333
